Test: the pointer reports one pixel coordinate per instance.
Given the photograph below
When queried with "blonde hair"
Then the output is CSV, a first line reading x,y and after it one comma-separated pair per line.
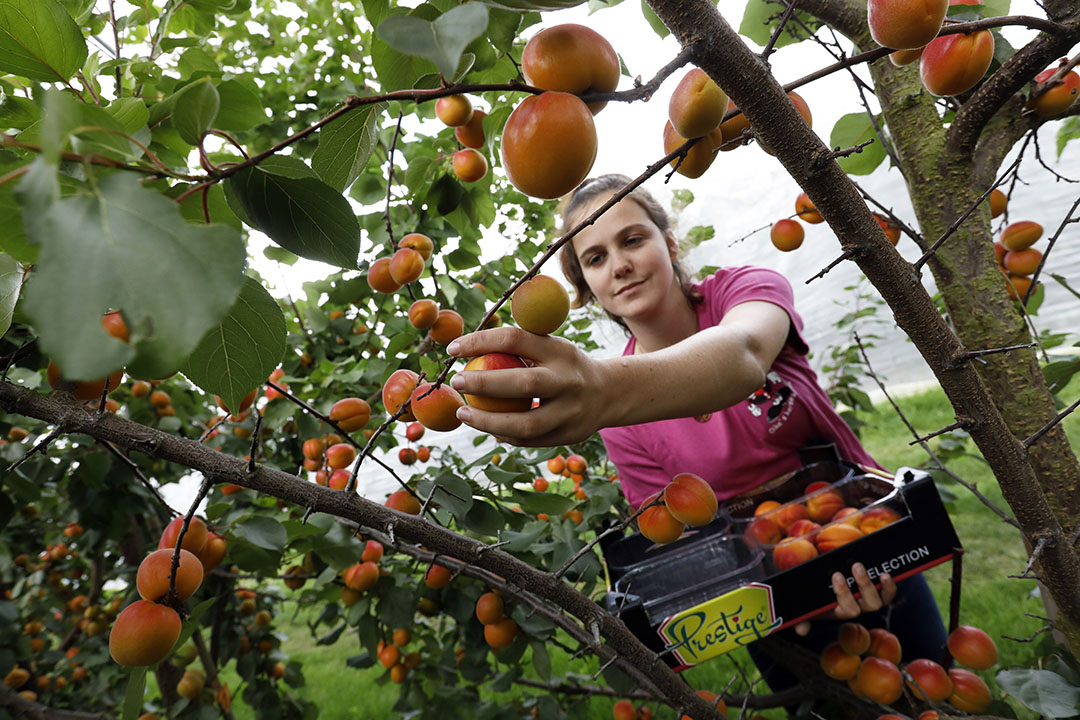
x,y
570,211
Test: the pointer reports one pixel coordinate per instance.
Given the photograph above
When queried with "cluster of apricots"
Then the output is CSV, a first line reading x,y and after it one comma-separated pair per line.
x,y
870,662
787,234
822,521
456,111
499,630
686,500
362,576
1016,257
573,467
549,141
147,629
87,390
392,657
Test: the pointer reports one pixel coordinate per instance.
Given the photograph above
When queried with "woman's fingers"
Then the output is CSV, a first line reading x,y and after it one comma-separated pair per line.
x,y
870,598
512,340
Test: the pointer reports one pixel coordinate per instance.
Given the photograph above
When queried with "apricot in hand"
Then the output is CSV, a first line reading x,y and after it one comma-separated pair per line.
x,y
540,305
497,361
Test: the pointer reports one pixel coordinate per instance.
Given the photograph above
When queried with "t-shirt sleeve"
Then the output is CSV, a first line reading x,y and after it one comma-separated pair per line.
x,y
733,286
639,473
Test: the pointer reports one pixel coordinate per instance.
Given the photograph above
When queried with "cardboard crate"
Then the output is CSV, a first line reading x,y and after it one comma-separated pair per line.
x,y
713,591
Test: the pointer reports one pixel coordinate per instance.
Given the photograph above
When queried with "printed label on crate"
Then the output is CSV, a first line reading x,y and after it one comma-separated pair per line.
x,y
722,624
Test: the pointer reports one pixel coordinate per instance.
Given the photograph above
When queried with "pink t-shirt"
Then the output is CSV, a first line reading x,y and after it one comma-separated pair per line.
x,y
752,442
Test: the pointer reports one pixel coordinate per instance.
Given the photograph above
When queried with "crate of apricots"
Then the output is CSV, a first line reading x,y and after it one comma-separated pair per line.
x,y
766,560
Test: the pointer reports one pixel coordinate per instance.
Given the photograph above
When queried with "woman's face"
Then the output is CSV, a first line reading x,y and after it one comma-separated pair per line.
x,y
626,260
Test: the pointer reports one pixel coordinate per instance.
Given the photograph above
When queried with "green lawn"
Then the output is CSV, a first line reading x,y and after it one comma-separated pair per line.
x,y
990,599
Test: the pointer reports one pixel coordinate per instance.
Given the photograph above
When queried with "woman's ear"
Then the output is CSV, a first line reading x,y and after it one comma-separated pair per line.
x,y
672,244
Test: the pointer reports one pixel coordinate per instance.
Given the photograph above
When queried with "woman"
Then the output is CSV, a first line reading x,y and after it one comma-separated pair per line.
x,y
715,375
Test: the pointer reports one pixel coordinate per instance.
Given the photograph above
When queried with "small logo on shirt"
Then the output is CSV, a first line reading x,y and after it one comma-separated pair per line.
x,y
771,396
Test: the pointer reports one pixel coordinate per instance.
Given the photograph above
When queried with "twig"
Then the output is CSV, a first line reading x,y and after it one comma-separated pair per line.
x,y
958,425
170,598
1038,156
1026,575
610,531
116,44
847,255
389,185
836,152
770,46
975,354
1034,438
41,447
139,474
254,452
1029,638
220,421
893,218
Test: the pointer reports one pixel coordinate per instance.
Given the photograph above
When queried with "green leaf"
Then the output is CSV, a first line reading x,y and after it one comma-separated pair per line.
x,y
19,112
995,8
95,246
346,145
442,41
303,215
1058,373
11,274
39,40
1043,691
280,255
13,239
654,20
131,113
194,113
541,660
850,130
133,696
237,355
241,106
534,502
1068,131
263,532
760,17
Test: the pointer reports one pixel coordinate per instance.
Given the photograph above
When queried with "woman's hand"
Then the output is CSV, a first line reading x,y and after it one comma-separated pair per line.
x,y
847,606
569,383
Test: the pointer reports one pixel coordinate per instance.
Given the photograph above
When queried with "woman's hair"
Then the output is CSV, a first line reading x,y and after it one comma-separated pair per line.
x,y
570,211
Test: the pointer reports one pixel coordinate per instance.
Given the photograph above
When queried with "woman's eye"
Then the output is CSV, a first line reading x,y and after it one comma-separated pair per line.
x,y
593,260
633,240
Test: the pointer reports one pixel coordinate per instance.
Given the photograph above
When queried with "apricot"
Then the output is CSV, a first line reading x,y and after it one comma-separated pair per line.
x,y
764,531
905,24
448,326
373,551
340,456
379,277
194,538
397,390
1022,262
804,208
1017,287
732,128
697,105
833,536
929,681
437,577
414,431
972,647
497,361
892,232
823,505
658,524
500,633
953,64
84,390
803,109
540,484
152,579
361,576
406,266
1021,235
1057,99
698,158
389,656
885,645
970,693
556,464
900,58
854,638
803,527
313,448
879,680
573,59
690,500
406,456
548,144
792,551
710,697
423,454
401,637
876,518
191,684
540,305
848,515
454,110
838,663
17,434
489,608
469,165
436,407
624,710
766,507
787,235
576,464
16,678
423,313
998,202
471,134
404,501
338,480
143,634
787,515
351,413
419,242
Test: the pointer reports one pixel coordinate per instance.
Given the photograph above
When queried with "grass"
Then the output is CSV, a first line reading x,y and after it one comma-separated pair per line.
x,y
991,600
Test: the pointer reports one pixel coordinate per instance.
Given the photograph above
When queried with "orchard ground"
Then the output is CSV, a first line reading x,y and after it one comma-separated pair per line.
x,y
990,600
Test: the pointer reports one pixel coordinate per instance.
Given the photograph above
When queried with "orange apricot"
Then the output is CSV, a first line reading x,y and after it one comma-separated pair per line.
x,y
448,326
698,158
497,361
351,413
540,484
423,313
972,647
732,128
885,645
854,638
879,680
379,277
1021,235
1056,99
970,693
373,551
905,24
571,58
419,242
710,697
953,64
888,227
835,535
787,235
397,390
540,305
191,684
998,202
194,538
436,407
340,456
576,464
929,681
556,464
143,634
471,134
84,390
423,454
697,105
313,449
766,507
437,577
875,518
406,266
406,456
152,579
764,531
114,324
658,524
792,551
213,552
414,431
454,110
245,403
624,710
823,505
804,208
469,165
690,499
361,576
549,144
489,608
838,663
404,501
500,633
338,480
900,58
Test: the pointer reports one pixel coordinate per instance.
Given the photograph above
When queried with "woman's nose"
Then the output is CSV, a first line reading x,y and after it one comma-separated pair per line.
x,y
621,265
